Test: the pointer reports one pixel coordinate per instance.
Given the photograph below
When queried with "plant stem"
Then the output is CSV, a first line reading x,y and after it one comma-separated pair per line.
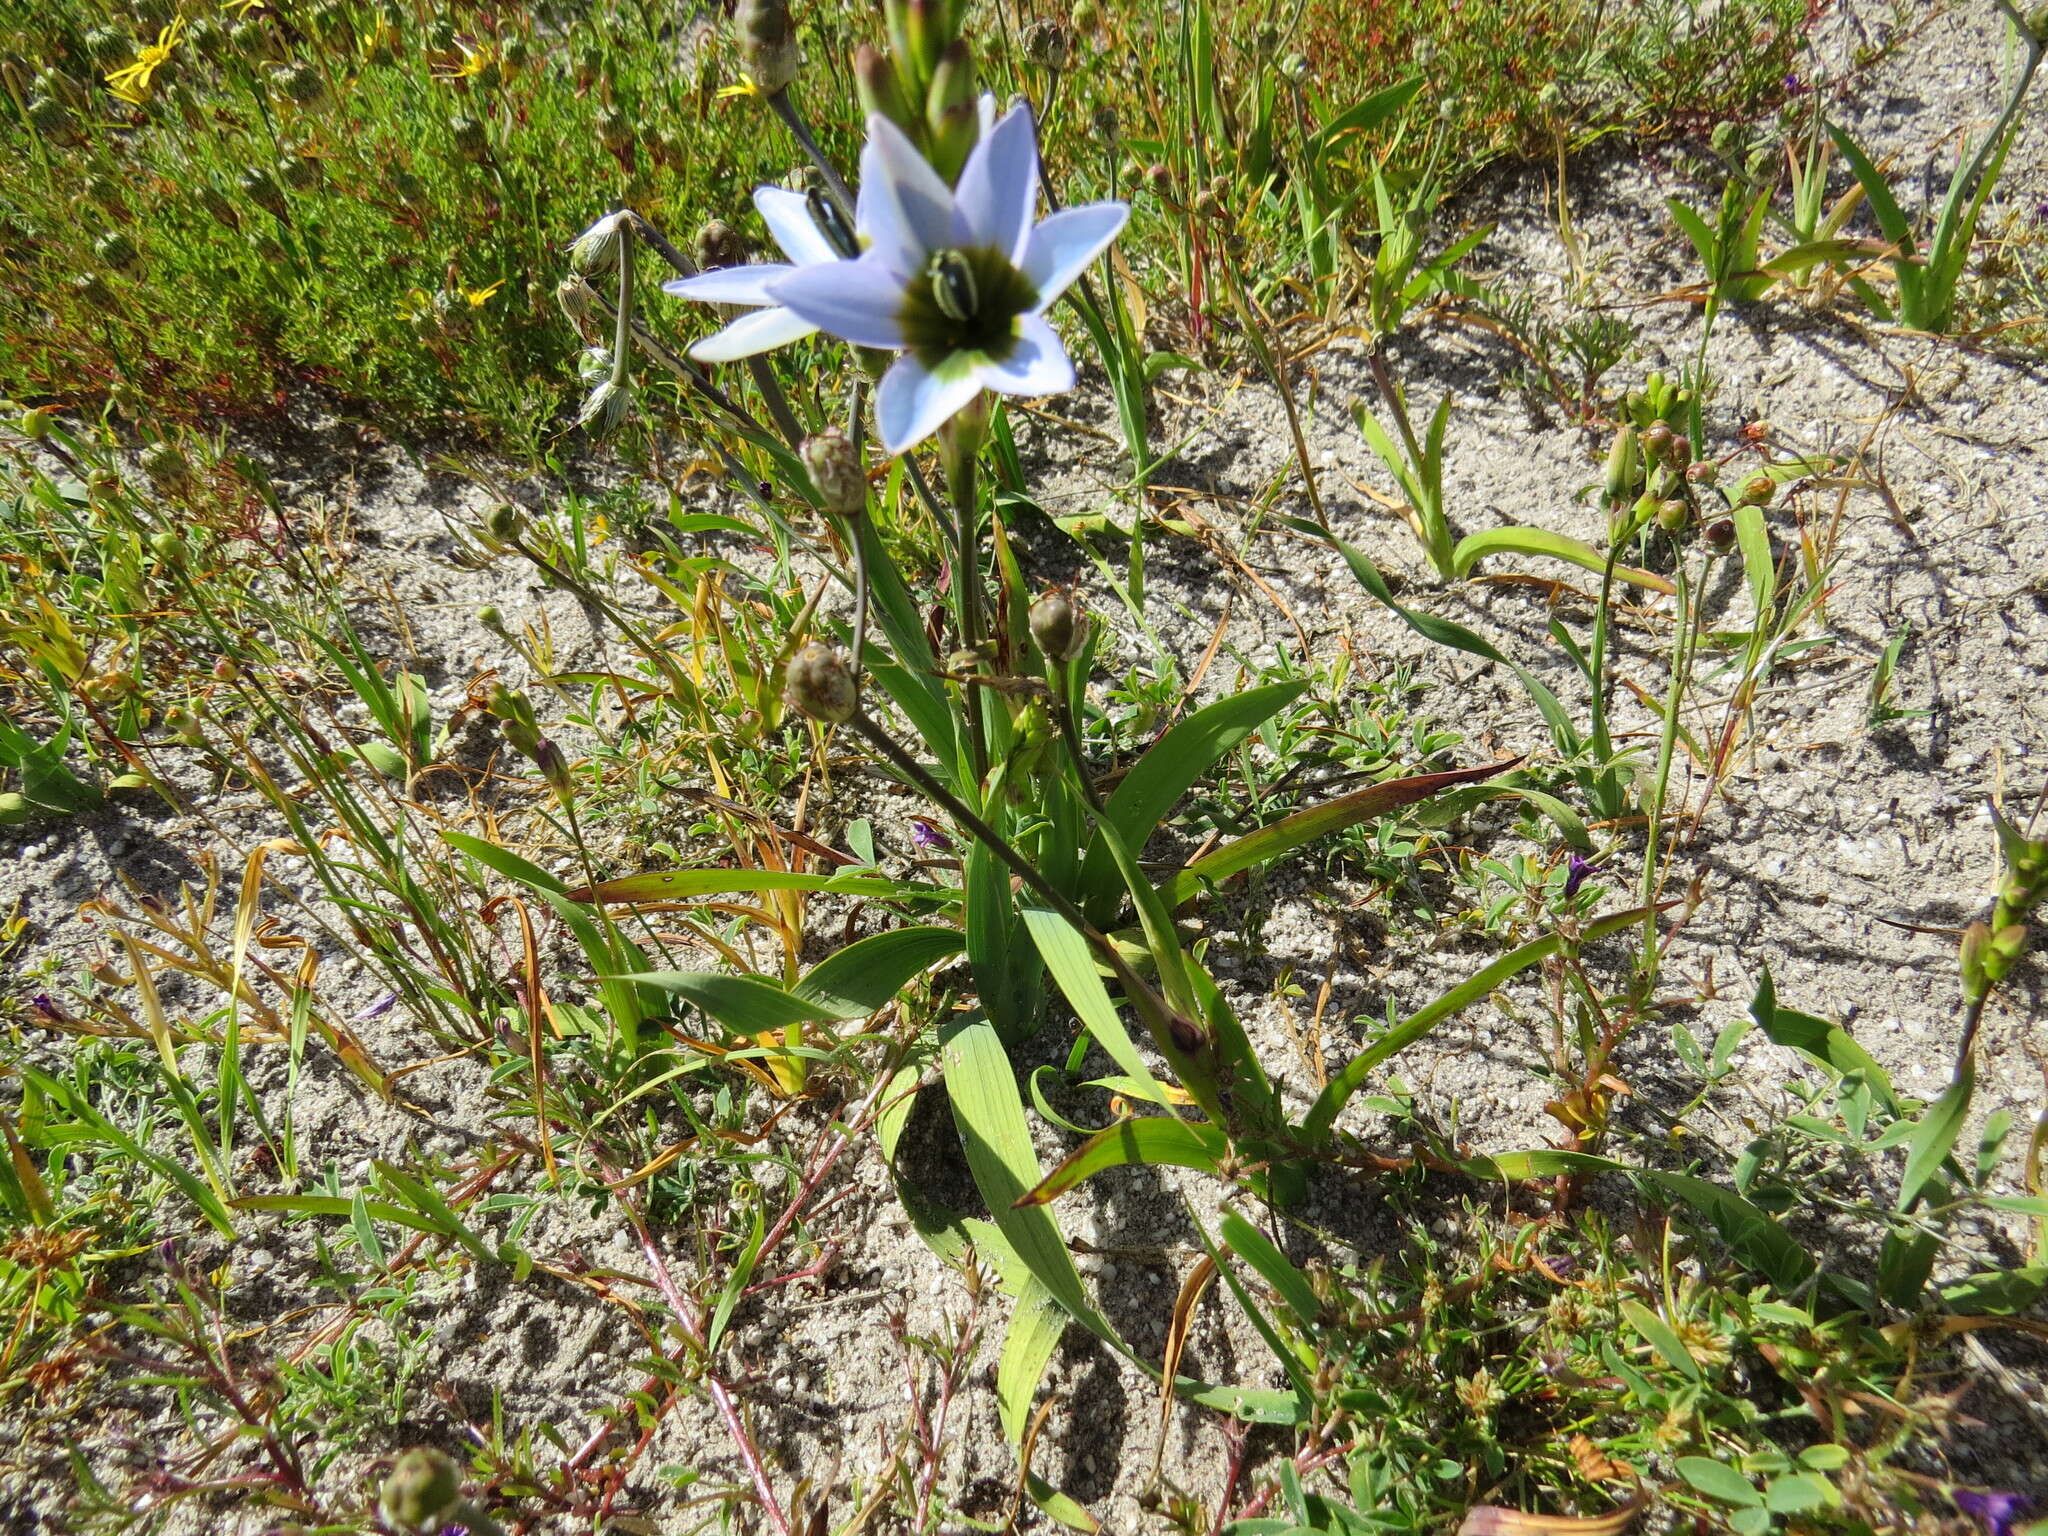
x,y
1683,648
780,104
1063,712
959,442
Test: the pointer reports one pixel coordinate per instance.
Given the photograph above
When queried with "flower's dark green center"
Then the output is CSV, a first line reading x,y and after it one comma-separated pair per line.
x,y
967,299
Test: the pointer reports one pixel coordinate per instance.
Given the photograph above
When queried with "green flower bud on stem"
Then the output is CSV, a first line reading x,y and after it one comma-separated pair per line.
x,y
170,551
1047,44
596,250
820,683
1672,515
301,84
1758,490
880,89
262,189
1621,467
505,523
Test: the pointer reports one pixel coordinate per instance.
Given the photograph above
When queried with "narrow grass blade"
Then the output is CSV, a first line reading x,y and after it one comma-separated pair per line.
x,y
1541,543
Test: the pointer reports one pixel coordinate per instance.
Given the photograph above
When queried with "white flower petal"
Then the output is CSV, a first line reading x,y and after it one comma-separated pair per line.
x,y
912,402
788,217
998,187
730,285
909,209
1061,247
760,331
1037,364
855,300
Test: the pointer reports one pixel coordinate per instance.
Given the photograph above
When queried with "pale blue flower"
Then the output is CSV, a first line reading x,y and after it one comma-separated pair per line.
x,y
956,279
811,233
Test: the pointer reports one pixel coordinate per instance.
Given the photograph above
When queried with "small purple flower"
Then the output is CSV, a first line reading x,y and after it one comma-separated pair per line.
x,y
46,1009
1793,86
1993,1508
928,837
1575,871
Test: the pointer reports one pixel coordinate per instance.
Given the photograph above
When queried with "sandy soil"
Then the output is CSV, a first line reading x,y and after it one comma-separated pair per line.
x,y
1831,849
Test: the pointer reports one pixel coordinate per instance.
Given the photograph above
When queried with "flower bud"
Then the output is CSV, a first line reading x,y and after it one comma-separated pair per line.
x,y
593,364
1758,490
1059,628
105,191
1295,67
1106,125
421,1493
35,424
14,808
596,250
615,132
301,173
1621,467
717,245
576,299
1158,177
553,766
505,523
215,202
820,683
1188,1037
472,139
767,43
1672,515
952,119
1702,472
1085,17
51,119
262,189
300,84
880,88
835,470
170,551
168,469
1656,439
115,251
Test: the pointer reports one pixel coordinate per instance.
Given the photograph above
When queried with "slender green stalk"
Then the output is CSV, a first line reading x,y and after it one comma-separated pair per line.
x,y
1684,647
780,104
959,442
1063,712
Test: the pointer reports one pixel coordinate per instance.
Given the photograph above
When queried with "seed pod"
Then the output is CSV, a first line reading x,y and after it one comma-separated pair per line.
x,y
594,363
170,551
1758,490
1720,535
1295,67
1059,626
835,470
576,299
1106,125
1189,1038
1702,472
1656,439
767,41
421,1493
505,523
168,469
1672,515
116,251
1158,177
717,245
606,408
35,424
14,808
226,669
491,618
819,683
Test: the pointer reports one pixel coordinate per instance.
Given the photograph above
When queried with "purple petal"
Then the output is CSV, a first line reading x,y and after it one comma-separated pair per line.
x,y
788,217
913,401
908,206
856,300
999,187
761,331
730,285
1037,364
1994,1508
1061,247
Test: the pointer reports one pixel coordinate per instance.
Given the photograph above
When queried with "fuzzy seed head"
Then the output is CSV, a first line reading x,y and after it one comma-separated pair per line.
x,y
595,251
717,245
819,682
767,40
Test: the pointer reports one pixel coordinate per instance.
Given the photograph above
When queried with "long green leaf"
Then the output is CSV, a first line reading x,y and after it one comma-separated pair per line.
x,y
1542,543
989,1113
1159,779
745,1005
1935,1136
683,884
1152,1140
867,974
1072,966
189,1184
1273,1266
1028,1345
